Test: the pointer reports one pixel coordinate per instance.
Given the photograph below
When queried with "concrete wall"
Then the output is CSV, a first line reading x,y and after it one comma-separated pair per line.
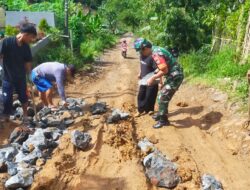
x,y
13,18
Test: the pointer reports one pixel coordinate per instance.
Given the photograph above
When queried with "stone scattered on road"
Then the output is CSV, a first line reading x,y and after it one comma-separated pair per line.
x,y
19,136
117,115
38,140
146,146
22,179
210,183
98,108
161,171
80,139
16,104
8,153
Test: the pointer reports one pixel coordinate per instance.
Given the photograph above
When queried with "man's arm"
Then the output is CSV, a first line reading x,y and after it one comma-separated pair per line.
x,y
162,66
28,67
60,85
28,60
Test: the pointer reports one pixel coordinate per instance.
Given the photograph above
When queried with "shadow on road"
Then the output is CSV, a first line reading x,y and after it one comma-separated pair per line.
x,y
204,123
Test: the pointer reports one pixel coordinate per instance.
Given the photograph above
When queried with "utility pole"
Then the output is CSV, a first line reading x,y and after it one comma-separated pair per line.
x,y
66,18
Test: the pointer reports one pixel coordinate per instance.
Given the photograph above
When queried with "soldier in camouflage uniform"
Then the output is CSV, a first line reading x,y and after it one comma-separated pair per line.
x,y
169,69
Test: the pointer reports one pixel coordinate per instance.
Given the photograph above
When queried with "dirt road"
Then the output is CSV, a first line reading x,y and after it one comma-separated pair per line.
x,y
205,137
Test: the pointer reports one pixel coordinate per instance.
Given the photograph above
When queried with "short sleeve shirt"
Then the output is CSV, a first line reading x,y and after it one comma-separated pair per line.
x,y
14,59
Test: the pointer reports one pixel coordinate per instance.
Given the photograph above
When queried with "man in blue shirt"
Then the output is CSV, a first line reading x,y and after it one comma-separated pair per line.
x,y
17,60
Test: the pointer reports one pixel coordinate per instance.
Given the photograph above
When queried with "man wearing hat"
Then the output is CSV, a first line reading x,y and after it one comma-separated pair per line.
x,y
169,69
45,74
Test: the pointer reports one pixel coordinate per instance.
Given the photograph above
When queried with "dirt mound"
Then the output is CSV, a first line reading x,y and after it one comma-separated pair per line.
x,y
187,170
123,138
113,147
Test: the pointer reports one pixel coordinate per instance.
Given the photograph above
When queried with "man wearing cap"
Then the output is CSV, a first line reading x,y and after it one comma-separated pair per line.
x,y
170,70
45,74
147,94
17,59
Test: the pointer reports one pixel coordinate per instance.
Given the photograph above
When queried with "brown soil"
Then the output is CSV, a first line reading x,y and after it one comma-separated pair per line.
x,y
205,137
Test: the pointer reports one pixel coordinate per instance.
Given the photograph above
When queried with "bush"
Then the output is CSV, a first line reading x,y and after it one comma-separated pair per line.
x,y
53,52
211,67
91,48
11,31
44,26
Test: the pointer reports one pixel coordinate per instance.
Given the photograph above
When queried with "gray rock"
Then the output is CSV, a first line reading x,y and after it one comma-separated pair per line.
x,y
80,139
43,112
29,158
38,140
210,183
42,125
52,133
122,114
146,146
22,179
75,101
54,121
117,115
69,122
114,118
12,168
16,104
52,145
98,108
8,153
18,113
75,108
161,170
144,80
24,166
18,136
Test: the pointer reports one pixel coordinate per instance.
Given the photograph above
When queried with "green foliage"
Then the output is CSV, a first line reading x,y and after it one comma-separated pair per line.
x,y
55,34
181,30
91,48
11,31
44,26
211,67
54,53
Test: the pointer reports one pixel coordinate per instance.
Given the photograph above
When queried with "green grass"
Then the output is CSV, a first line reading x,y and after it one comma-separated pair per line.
x,y
93,47
83,58
220,70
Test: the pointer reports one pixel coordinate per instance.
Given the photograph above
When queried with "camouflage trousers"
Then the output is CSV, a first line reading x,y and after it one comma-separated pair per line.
x,y
170,86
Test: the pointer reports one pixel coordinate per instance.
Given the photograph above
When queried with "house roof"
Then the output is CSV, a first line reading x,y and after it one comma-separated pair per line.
x,y
13,18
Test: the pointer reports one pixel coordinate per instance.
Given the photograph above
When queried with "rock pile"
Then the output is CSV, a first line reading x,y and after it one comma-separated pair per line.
x,y
28,150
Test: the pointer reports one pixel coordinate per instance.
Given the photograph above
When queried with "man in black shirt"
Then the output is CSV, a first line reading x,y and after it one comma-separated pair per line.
x,y
17,59
147,94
